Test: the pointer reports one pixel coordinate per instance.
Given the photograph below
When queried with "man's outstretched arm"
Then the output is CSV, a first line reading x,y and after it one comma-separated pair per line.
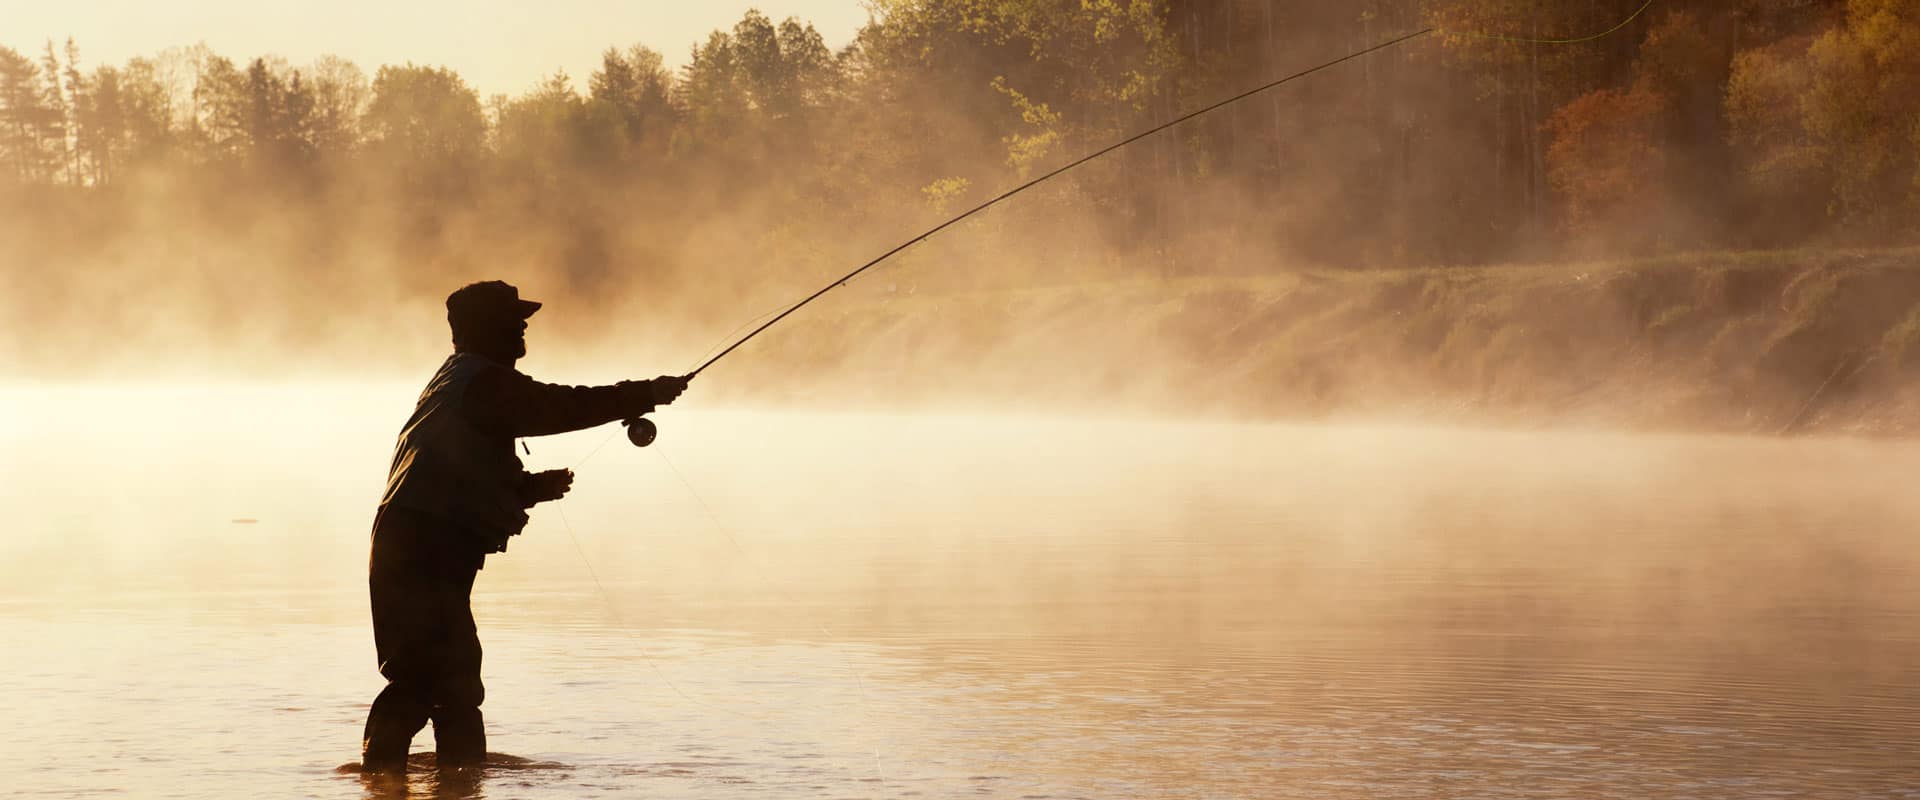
x,y
505,402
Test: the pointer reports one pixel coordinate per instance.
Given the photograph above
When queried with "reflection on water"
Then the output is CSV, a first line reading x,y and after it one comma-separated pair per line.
x,y
865,606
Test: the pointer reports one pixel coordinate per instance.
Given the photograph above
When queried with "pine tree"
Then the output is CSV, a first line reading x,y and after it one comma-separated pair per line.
x,y
76,103
23,113
103,125
53,127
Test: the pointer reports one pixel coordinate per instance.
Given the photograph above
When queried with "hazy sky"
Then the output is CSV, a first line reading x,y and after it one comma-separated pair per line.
x,y
499,46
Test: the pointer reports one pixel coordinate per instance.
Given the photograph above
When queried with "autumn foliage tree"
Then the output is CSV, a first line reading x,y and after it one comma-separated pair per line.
x,y
1642,166
1863,111
1607,162
1782,174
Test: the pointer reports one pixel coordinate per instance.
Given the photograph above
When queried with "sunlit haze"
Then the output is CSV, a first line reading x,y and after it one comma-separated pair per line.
x,y
499,46
1278,399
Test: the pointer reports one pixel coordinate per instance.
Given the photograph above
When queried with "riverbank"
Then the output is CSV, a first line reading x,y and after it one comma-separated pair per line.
x,y
1768,342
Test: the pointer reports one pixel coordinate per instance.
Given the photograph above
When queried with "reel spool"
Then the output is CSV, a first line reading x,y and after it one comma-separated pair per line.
x,y
641,431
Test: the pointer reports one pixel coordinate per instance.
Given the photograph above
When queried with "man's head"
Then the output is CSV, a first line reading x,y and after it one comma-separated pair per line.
x,y
490,319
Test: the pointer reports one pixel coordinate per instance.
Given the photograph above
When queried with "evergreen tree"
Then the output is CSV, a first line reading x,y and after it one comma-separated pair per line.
x,y
77,91
103,125
637,90
24,117
55,127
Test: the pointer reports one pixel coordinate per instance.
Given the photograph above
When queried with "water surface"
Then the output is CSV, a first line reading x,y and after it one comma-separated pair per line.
x,y
816,605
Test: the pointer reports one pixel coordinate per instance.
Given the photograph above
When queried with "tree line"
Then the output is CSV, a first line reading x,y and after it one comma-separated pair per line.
x,y
1733,123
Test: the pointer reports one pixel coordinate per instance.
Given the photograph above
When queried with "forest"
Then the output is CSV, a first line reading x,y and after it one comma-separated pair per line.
x,y
209,197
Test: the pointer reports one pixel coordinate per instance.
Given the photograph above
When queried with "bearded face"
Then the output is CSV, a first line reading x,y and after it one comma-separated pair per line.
x,y
501,339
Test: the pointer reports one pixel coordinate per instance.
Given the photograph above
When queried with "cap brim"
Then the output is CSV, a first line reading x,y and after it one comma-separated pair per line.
x,y
525,307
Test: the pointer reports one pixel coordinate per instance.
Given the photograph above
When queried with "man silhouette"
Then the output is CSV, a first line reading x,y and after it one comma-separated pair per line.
x,y
455,493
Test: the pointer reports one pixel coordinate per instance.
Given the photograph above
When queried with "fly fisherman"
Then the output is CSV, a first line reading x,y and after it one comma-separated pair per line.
x,y
456,492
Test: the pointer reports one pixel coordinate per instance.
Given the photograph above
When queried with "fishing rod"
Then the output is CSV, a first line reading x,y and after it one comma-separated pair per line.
x,y
641,431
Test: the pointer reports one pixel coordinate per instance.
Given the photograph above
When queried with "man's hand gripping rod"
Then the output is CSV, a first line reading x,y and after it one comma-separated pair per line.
x,y
640,430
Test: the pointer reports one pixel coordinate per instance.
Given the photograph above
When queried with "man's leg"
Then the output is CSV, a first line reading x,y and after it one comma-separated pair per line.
x,y
459,735
399,712
407,584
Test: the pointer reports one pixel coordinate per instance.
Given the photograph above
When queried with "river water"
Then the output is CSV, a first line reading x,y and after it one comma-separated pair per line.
x,y
854,606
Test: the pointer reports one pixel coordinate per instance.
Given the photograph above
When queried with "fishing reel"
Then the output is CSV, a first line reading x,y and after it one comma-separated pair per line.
x,y
641,431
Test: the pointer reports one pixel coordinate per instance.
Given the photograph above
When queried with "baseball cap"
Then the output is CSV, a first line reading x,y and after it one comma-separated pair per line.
x,y
489,299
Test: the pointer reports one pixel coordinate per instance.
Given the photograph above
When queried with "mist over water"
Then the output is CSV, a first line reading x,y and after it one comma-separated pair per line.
x,y
1105,506
820,605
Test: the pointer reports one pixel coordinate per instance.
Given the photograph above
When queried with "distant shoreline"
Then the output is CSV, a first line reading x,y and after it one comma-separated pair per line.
x,y
1759,342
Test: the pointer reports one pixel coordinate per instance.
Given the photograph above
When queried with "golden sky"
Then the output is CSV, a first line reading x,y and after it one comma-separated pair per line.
x,y
499,46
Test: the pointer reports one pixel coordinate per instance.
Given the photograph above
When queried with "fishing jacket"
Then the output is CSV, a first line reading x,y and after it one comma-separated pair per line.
x,y
454,461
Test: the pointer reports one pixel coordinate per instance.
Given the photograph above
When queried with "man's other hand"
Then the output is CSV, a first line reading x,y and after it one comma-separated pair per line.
x,y
666,388
550,485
